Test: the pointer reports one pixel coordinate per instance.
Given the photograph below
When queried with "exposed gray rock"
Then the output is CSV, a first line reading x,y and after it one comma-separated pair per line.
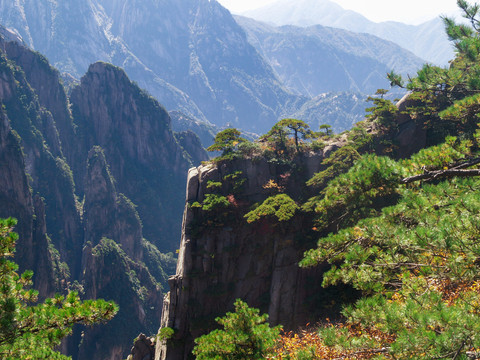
x,y
143,349
134,131
257,263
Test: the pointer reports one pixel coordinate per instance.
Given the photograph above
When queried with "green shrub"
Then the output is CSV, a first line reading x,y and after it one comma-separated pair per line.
x,y
213,184
214,202
280,206
165,333
245,335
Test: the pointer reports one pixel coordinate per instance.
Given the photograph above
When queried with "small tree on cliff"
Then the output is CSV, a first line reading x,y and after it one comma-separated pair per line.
x,y
278,134
327,129
226,141
32,332
298,127
278,137
246,335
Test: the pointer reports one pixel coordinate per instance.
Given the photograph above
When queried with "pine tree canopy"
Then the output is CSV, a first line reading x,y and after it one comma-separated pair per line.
x,y
29,329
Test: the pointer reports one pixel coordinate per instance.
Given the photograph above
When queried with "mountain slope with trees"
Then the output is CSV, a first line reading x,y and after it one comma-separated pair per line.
x,y
70,166
396,224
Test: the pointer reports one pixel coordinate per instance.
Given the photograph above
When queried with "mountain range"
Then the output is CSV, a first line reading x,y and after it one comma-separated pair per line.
x,y
96,176
428,40
317,59
191,55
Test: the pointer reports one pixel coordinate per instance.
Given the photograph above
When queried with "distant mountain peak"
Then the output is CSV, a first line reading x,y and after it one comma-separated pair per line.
x,y
427,40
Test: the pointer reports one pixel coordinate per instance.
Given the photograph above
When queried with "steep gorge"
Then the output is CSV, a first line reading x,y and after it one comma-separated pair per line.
x,y
68,177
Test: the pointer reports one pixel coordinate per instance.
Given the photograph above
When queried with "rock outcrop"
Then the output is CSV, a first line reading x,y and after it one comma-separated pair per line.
x,y
144,157
143,349
223,258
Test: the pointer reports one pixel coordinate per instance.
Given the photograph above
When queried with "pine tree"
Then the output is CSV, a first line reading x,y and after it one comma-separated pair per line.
x,y
298,127
226,141
245,335
405,233
33,331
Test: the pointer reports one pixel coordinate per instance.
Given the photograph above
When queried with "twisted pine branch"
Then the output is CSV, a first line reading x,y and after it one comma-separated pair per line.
x,y
456,171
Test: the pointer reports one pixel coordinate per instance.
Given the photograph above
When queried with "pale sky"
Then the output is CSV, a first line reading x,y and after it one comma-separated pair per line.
x,y
375,10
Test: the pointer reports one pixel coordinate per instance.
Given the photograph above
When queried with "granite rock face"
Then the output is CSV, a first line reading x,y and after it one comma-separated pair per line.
x,y
78,227
134,131
231,259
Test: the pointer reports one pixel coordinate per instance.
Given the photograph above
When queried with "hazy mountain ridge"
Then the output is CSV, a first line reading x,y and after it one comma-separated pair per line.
x,y
428,40
190,55
170,48
319,59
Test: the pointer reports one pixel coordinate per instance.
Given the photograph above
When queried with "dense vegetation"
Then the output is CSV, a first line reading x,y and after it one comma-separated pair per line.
x,y
404,232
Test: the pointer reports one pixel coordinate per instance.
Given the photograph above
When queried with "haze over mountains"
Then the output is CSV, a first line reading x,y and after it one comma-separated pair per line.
x,y
190,55
318,59
427,40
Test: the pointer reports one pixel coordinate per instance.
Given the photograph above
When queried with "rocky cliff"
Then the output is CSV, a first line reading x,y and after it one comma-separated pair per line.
x,y
134,131
223,258
114,264
78,228
16,200
49,173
